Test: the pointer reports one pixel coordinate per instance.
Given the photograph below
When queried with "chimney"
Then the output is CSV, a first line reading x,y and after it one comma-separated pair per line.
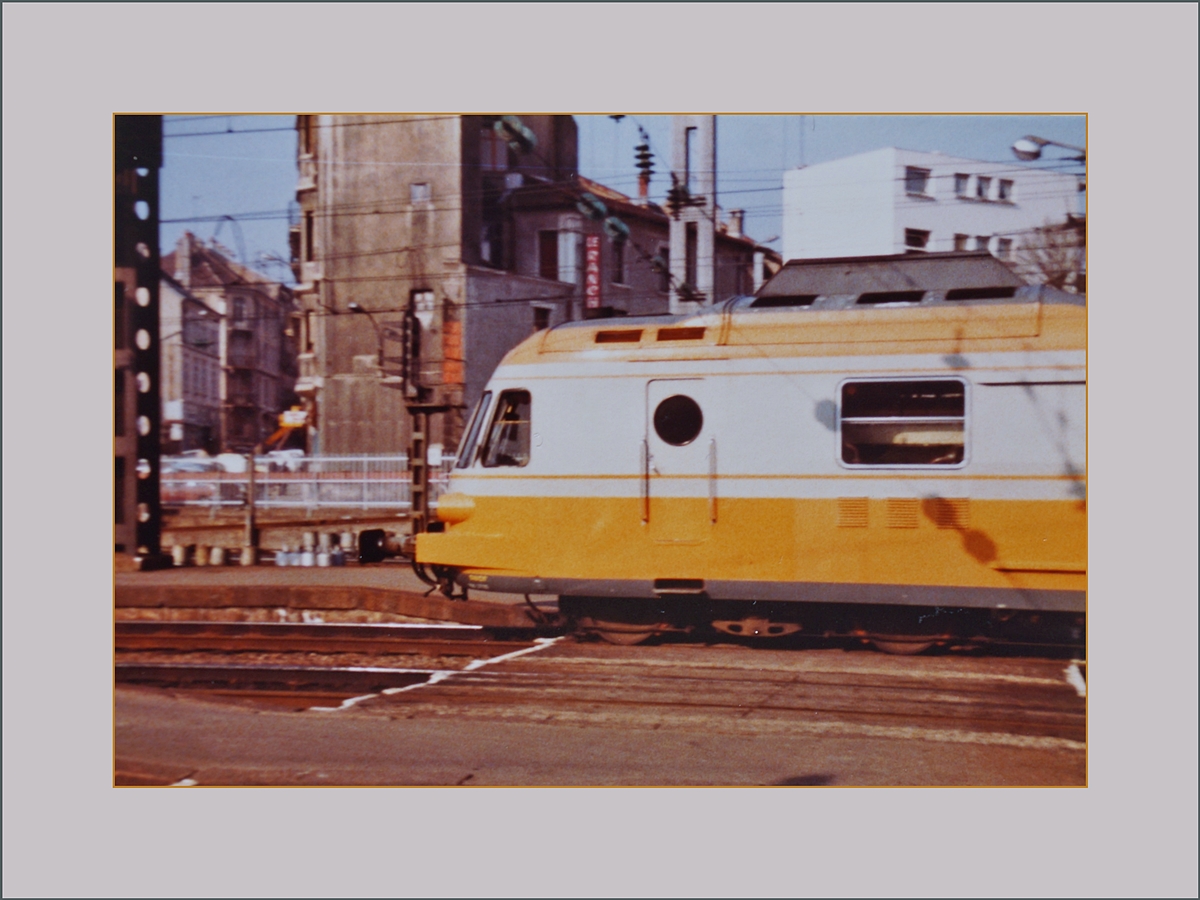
x,y
737,218
183,259
644,188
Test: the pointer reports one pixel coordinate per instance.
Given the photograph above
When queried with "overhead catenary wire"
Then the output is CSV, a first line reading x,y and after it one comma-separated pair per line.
x,y
734,187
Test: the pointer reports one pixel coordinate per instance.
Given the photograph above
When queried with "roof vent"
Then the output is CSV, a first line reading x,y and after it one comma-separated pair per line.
x,y
625,336
892,297
793,300
981,293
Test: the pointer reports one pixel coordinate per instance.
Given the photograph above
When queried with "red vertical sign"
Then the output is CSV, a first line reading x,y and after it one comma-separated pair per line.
x,y
591,284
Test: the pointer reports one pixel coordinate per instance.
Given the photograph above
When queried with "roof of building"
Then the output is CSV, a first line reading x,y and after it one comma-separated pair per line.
x,y
210,267
622,205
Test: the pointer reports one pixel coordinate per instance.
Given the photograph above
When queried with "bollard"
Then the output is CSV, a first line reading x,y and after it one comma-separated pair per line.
x,y
323,558
179,555
346,542
249,556
281,556
307,557
217,556
201,555
309,540
325,541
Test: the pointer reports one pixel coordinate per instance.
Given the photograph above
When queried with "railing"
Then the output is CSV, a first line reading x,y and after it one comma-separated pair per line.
x,y
310,482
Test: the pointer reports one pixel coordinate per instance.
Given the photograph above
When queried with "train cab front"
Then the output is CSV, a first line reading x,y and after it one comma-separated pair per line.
x,y
475,539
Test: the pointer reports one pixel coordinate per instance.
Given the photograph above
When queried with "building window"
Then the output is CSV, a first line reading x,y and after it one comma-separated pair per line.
x,y
689,142
916,181
690,251
961,181
568,256
307,128
491,244
983,187
1004,247
903,423
1004,190
508,439
548,254
541,318
961,241
981,241
915,240
618,262
421,192
493,151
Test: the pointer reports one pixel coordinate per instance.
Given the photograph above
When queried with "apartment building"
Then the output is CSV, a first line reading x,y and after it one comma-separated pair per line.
x,y
905,201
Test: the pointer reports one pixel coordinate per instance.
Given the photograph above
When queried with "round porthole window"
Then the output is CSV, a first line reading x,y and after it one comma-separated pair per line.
x,y
678,420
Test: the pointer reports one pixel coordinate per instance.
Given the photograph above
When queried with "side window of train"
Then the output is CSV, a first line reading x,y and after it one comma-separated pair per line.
x,y
466,450
903,423
508,437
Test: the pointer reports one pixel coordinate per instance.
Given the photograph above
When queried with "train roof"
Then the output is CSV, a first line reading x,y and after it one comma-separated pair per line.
x,y
916,304
937,272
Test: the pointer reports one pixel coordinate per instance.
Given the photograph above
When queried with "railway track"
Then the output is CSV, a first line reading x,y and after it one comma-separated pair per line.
x,y
570,711
296,637
298,664
1011,701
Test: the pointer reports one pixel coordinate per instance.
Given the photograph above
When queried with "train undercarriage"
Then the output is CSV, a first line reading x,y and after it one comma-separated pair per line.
x,y
902,630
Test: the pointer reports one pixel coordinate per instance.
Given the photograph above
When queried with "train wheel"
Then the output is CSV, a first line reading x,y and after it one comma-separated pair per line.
x,y
621,633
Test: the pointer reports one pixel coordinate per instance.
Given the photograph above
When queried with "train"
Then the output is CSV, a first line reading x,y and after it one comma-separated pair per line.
x,y
890,449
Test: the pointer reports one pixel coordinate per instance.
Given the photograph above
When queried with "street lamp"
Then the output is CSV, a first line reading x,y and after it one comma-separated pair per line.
x,y
1029,148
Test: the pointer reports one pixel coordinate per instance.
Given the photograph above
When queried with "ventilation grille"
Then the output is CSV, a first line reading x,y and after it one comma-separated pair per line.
x,y
949,512
981,293
852,512
680,334
618,337
791,300
902,512
891,297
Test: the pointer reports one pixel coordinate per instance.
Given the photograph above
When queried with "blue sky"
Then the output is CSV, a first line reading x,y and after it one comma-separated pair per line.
x,y
235,176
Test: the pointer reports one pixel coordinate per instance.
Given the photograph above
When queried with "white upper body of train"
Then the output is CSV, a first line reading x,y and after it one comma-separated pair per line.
x,y
912,453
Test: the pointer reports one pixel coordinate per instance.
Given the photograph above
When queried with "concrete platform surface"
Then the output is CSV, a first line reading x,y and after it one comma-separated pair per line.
x,y
385,587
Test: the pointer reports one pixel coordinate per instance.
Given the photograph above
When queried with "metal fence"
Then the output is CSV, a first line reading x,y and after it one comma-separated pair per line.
x,y
310,482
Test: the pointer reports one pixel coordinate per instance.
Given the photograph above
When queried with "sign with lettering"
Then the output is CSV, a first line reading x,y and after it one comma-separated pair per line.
x,y
591,272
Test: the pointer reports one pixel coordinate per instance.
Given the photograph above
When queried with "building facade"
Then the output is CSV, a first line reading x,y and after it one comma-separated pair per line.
x,y
254,318
191,371
401,218
426,247
904,201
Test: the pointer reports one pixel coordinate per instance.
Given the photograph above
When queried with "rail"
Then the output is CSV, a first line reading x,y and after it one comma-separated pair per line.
x,y
310,482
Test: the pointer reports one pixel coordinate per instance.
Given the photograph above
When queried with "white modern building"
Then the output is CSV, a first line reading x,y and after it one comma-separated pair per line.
x,y
906,201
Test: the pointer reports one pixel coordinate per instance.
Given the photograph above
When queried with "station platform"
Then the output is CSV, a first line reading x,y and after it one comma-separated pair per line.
x,y
387,587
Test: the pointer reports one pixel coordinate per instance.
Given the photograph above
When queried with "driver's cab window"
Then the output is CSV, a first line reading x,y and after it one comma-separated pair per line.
x,y
508,437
